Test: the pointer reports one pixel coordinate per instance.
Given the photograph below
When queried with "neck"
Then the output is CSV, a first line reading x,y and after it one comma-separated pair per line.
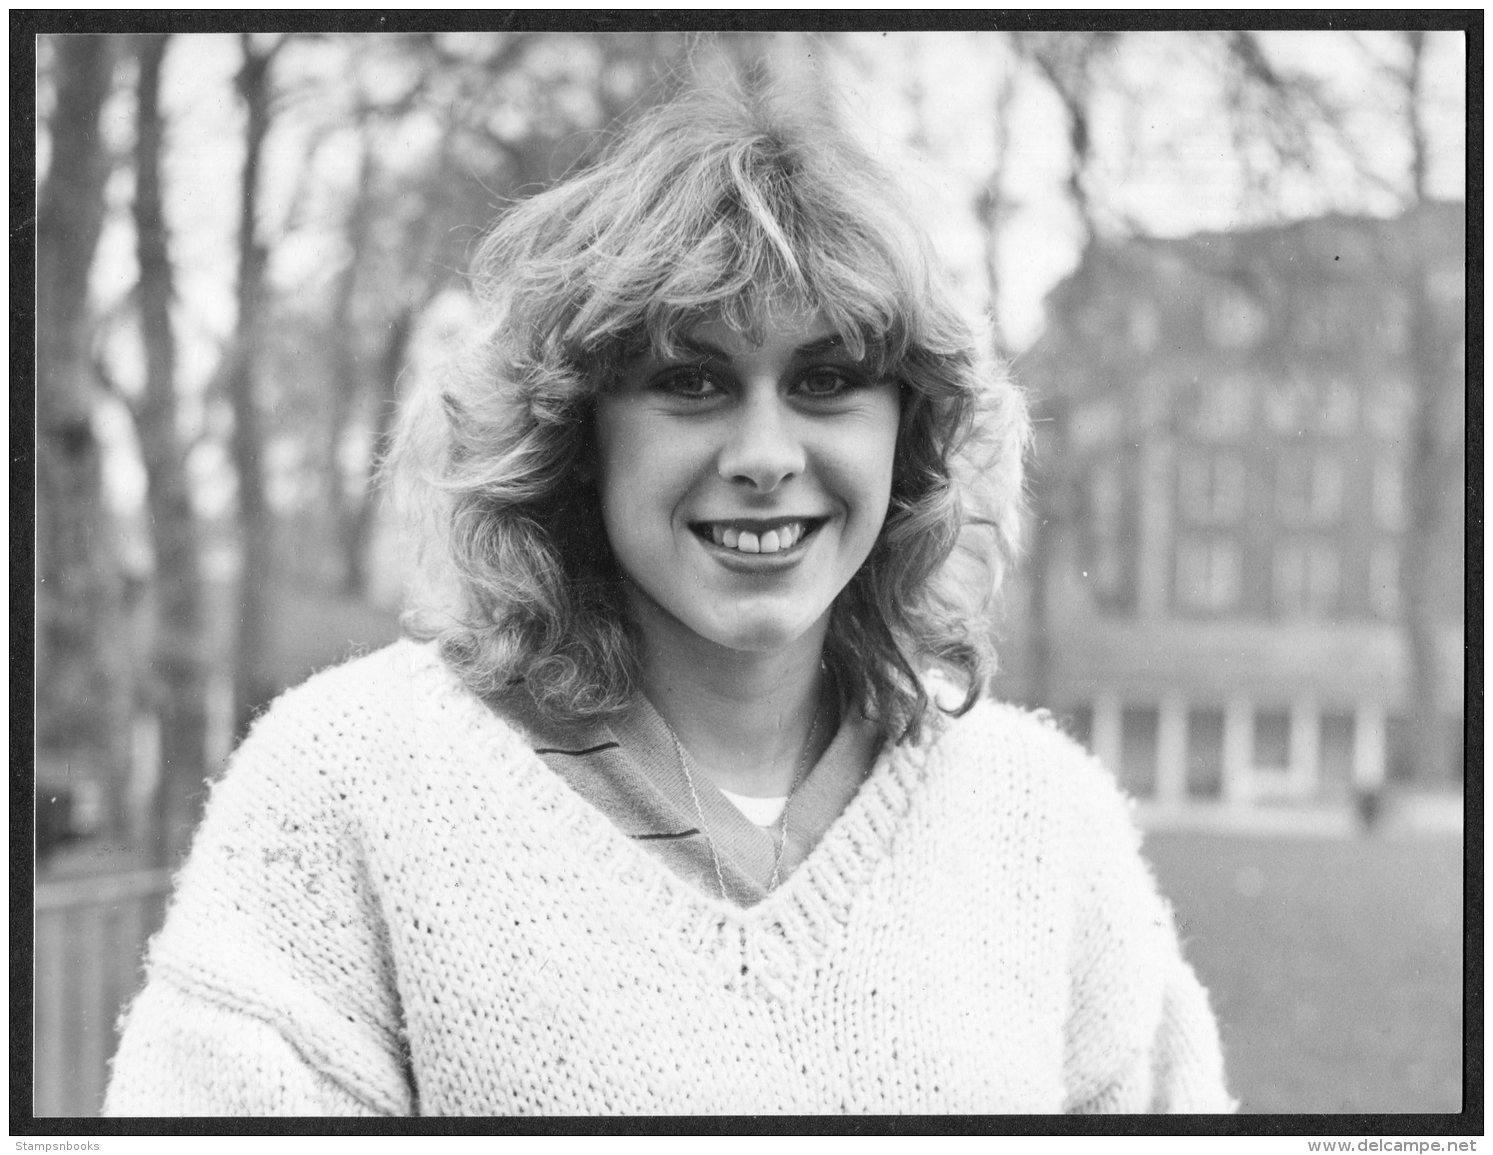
x,y
744,719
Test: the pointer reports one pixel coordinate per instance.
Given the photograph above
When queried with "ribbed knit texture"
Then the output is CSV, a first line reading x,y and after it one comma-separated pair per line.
x,y
394,906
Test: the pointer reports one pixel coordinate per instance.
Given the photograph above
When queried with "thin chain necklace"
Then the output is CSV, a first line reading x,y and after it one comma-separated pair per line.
x,y
798,776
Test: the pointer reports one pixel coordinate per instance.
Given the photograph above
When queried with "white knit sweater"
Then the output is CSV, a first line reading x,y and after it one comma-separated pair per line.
x,y
393,906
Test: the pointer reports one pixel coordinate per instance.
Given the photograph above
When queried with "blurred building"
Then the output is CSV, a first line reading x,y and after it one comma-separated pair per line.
x,y
1225,426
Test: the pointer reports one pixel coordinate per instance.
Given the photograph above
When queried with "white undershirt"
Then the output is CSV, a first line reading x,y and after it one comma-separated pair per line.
x,y
759,811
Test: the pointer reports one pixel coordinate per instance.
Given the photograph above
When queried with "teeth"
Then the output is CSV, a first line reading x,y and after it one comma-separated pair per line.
x,y
772,541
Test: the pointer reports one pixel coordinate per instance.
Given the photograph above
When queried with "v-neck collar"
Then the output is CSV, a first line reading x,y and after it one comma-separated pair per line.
x,y
797,921
744,851
750,849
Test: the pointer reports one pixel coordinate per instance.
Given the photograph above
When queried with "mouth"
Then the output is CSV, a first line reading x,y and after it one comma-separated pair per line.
x,y
758,535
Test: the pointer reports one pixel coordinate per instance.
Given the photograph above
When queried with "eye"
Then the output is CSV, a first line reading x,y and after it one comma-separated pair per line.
x,y
827,381
687,381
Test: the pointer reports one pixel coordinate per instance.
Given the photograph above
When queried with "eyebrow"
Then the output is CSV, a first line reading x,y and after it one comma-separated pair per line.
x,y
833,342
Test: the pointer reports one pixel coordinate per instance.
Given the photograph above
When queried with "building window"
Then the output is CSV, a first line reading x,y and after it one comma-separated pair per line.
x,y
1108,570
1327,321
1309,486
1272,740
1389,494
1204,752
1235,320
1307,579
1222,407
1399,748
1108,575
1140,729
1448,287
1298,405
1078,722
1106,492
1338,401
1287,407
1144,325
1335,742
1387,410
1211,486
1392,320
1096,426
1384,580
1208,574
1406,761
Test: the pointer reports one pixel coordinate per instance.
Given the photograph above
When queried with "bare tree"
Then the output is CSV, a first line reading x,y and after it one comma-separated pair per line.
x,y
81,652
407,234
1280,120
347,380
1292,112
1072,66
993,206
1435,465
178,661
255,526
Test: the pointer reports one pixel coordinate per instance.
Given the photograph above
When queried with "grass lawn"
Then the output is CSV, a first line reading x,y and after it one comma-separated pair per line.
x,y
1335,966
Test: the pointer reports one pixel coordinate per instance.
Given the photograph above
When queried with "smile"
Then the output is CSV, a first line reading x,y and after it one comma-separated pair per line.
x,y
760,537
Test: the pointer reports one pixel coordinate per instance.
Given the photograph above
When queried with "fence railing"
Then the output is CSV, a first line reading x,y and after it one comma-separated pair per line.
x,y
90,937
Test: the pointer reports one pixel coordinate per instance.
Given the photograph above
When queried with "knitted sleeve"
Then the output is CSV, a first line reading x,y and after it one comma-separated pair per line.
x,y
1141,1035
187,1055
270,988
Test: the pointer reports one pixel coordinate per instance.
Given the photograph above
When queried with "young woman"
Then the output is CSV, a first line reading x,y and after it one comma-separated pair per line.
x,y
684,797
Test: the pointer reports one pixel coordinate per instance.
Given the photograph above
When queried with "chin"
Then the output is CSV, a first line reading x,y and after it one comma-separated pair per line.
x,y
762,634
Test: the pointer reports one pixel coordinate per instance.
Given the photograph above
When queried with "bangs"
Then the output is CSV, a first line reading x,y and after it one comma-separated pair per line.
x,y
740,237
863,311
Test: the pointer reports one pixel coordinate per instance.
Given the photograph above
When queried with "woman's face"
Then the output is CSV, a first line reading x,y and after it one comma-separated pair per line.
x,y
743,485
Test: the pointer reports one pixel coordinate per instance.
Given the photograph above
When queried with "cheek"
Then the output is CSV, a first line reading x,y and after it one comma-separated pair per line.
x,y
860,473
642,471
878,459
618,446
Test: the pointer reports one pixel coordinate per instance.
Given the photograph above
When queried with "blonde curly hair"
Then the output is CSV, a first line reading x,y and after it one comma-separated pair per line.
x,y
716,205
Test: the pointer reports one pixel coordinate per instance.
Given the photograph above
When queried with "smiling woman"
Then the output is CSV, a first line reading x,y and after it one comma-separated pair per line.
x,y
682,796
740,495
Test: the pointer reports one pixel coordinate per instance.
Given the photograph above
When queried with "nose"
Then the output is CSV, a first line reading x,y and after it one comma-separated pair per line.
x,y
762,449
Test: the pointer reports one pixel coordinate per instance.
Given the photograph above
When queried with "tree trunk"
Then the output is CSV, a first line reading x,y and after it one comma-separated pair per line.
x,y
357,528
992,206
347,382
1065,63
178,662
1423,546
1424,542
82,644
1052,515
256,531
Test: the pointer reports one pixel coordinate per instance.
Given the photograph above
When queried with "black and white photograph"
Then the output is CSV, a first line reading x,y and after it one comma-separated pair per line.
x,y
747,580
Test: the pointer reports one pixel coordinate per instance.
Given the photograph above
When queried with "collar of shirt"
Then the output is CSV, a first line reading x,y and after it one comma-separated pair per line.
x,y
629,769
